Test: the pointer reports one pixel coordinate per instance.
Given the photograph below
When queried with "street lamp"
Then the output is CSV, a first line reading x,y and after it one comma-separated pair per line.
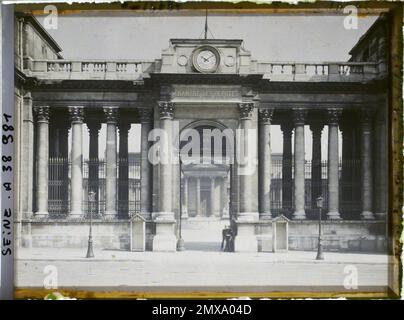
x,y
91,199
320,255
180,241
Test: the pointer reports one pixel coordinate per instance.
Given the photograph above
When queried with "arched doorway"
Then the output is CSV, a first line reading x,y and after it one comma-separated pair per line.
x,y
207,153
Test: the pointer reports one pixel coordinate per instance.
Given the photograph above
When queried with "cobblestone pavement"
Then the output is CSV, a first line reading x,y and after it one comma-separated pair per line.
x,y
199,269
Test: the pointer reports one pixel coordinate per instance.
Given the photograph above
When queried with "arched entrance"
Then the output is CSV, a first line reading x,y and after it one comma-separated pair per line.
x,y
207,153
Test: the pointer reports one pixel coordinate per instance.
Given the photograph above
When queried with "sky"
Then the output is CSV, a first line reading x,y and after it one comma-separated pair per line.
x,y
303,38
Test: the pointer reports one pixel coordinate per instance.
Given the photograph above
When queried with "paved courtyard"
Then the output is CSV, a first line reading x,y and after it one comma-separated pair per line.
x,y
201,270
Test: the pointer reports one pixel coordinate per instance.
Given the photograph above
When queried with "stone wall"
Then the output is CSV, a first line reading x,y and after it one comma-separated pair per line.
x,y
349,236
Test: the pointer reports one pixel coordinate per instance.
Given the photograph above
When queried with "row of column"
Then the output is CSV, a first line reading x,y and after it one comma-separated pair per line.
x,y
76,114
218,195
298,187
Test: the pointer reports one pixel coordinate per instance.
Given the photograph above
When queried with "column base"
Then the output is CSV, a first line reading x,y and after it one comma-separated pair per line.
x,y
246,240
334,215
247,217
41,215
165,239
299,215
380,215
184,214
265,216
367,215
110,215
75,215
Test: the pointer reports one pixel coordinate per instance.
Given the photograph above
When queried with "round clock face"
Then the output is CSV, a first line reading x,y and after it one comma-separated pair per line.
x,y
206,59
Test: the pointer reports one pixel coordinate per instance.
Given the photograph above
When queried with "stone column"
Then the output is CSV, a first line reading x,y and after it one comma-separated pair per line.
x,y
381,166
185,198
299,179
111,117
264,163
146,186
165,239
198,197
316,178
366,165
27,169
93,167
42,161
213,197
287,129
76,185
333,164
246,239
347,165
123,190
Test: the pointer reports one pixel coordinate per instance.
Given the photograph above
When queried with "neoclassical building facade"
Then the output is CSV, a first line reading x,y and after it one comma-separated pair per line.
x,y
200,84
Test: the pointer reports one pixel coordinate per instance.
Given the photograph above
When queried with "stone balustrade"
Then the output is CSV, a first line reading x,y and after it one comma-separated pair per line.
x,y
133,70
311,71
130,70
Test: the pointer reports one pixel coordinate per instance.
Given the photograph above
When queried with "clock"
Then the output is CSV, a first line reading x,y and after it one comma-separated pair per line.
x,y
206,59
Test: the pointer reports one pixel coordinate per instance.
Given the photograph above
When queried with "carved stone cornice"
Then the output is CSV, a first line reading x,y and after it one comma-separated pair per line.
x,y
265,115
42,113
111,114
76,114
246,110
333,116
166,109
299,116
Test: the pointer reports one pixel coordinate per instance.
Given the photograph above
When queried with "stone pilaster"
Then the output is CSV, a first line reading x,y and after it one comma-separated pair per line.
x,y
264,163
333,164
111,117
198,197
123,181
248,216
76,188
287,130
27,166
299,116
42,161
316,178
165,239
93,170
146,118
380,166
184,199
366,165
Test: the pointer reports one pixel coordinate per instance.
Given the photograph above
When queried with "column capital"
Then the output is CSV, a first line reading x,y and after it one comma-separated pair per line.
x,y
166,109
299,116
76,114
146,115
111,114
333,116
246,110
42,113
265,115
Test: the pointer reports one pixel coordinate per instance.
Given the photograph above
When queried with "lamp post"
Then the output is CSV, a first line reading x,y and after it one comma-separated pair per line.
x,y
180,241
91,199
320,255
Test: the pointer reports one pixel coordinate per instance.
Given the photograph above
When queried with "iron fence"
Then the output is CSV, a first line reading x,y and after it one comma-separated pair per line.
x,y
129,186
